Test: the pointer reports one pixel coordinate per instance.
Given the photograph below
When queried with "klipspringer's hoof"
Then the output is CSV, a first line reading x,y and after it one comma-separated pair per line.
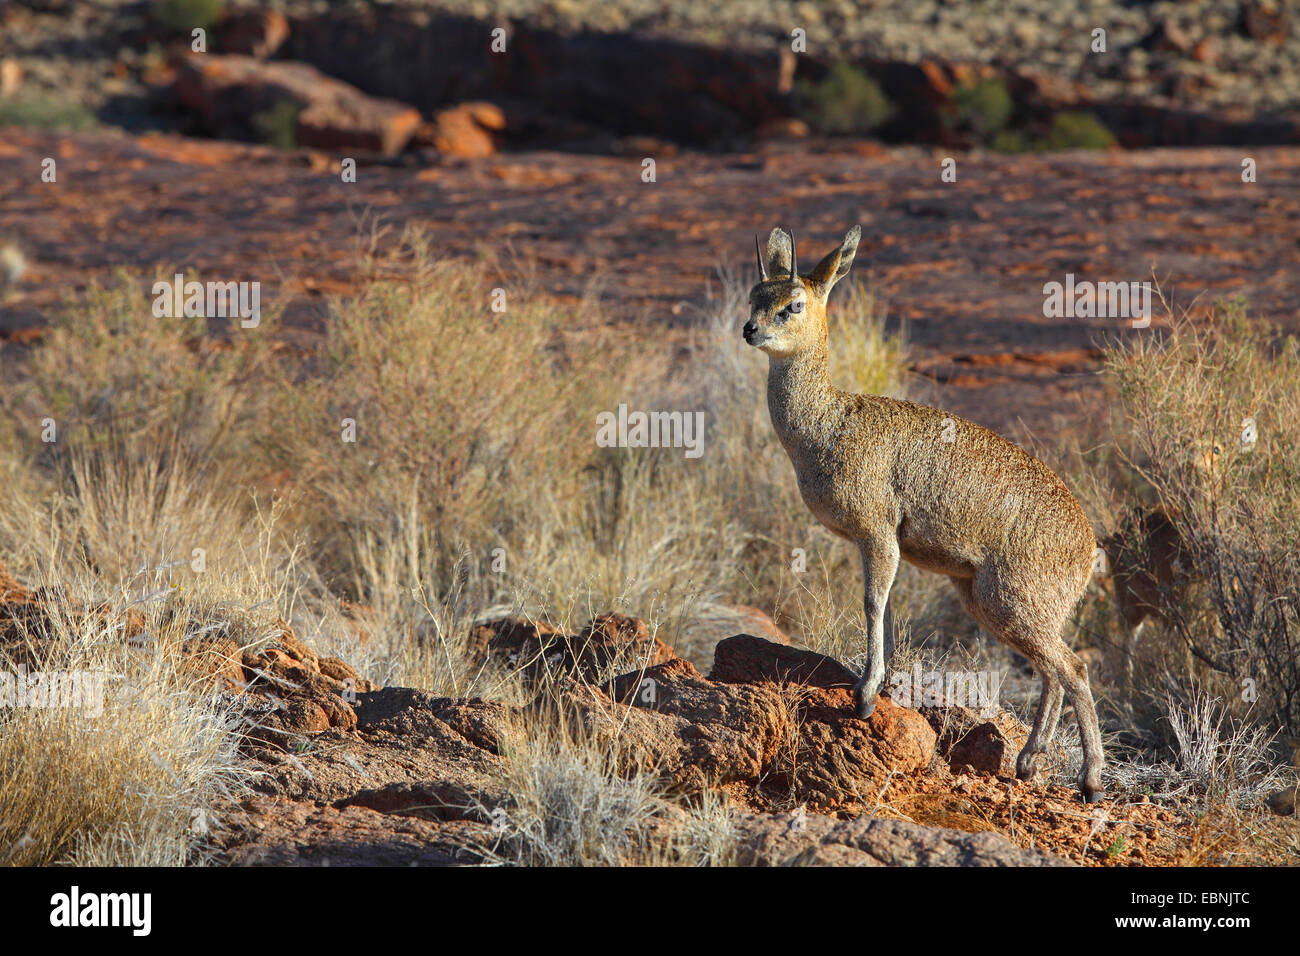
x,y
1026,767
864,703
1091,795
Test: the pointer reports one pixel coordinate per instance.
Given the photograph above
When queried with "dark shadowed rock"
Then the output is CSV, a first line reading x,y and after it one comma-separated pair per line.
x,y
472,130
749,659
404,712
256,32
1282,802
234,94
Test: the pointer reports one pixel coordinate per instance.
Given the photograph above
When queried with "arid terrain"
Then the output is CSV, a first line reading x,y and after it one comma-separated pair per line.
x,y
359,586
962,264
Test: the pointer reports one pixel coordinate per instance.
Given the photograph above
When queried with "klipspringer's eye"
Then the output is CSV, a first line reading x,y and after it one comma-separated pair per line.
x,y
796,306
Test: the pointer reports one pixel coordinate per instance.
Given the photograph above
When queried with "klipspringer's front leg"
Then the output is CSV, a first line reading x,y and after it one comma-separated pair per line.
x,y
879,566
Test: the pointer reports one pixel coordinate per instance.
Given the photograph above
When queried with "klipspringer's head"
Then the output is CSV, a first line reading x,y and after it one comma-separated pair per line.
x,y
787,311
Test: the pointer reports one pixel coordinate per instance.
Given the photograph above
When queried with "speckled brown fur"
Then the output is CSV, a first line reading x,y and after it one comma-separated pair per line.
x,y
906,481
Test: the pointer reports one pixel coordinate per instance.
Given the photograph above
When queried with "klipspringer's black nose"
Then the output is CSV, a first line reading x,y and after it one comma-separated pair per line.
x,y
749,330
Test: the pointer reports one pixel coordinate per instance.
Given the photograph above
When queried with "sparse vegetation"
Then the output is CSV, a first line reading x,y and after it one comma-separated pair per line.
x,y
1217,760
47,111
575,803
182,16
1226,392
846,102
1072,130
278,126
984,107
466,442
474,433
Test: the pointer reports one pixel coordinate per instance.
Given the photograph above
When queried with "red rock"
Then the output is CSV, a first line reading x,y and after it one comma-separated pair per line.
x,y
287,641
218,658
1206,51
304,716
230,92
781,128
337,713
802,739
610,639
511,640
468,130
485,114
258,32
338,669
968,738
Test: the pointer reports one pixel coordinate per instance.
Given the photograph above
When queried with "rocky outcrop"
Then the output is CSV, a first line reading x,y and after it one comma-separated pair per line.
x,y
237,97
265,832
351,774
767,724
290,690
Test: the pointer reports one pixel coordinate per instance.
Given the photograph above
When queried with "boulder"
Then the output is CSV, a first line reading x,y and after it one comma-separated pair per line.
x,y
745,658
779,730
258,32
969,738
233,93
471,130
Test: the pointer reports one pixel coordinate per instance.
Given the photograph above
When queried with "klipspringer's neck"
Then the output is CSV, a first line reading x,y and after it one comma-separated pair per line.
x,y
799,392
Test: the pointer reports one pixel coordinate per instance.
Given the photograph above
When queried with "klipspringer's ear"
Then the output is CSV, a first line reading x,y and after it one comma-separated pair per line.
x,y
837,263
779,250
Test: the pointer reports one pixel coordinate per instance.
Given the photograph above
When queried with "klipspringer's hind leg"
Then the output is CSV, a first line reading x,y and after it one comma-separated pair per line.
x,y
1054,716
1073,674
889,635
1045,719
1000,597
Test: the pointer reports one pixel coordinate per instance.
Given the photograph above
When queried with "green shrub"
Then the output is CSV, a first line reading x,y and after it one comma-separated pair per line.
x,y
983,107
1078,131
182,16
847,101
1014,141
278,126
44,111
